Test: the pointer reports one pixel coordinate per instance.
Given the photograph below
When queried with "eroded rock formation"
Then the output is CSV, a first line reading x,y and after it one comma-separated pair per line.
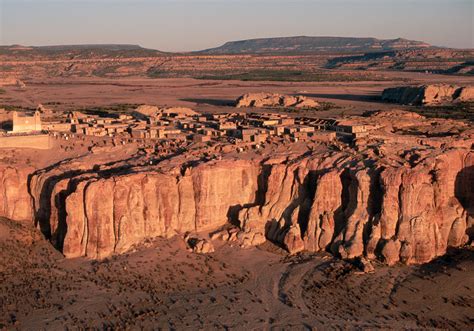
x,y
428,94
261,100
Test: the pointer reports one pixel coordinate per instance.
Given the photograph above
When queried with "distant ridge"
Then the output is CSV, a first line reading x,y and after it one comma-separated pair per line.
x,y
110,47
81,51
304,44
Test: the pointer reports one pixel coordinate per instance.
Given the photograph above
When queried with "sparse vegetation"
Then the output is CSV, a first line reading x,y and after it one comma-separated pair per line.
x,y
107,111
289,76
458,111
15,108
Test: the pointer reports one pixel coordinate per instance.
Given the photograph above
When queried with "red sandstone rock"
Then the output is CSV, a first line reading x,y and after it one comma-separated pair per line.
x,y
408,212
15,202
261,100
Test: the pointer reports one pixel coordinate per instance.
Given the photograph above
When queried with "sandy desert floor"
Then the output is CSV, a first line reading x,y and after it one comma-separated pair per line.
x,y
161,285
208,95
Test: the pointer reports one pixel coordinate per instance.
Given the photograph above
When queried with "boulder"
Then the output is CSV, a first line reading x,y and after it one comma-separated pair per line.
x,y
198,245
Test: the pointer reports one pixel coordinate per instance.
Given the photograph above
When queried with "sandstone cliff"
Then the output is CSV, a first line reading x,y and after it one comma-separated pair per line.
x,y
395,213
92,213
15,202
336,201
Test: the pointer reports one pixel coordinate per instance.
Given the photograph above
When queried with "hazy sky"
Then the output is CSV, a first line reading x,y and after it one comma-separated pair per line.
x,y
181,25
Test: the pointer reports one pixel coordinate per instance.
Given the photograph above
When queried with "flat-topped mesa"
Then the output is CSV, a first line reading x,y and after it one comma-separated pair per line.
x,y
428,94
407,199
270,100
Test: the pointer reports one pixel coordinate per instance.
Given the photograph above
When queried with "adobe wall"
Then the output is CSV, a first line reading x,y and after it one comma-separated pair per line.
x,y
26,123
42,141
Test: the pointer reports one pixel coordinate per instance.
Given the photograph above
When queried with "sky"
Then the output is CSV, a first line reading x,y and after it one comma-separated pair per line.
x,y
186,25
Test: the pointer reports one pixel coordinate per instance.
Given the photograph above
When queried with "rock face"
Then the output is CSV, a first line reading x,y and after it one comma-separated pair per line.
x,y
95,216
428,94
15,202
261,100
408,214
333,201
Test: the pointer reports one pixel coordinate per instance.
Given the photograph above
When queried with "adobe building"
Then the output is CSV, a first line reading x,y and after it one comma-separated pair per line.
x,y
26,124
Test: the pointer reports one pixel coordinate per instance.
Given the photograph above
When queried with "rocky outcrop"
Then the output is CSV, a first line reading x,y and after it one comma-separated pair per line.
x,y
198,245
332,201
261,100
145,111
428,94
465,94
15,201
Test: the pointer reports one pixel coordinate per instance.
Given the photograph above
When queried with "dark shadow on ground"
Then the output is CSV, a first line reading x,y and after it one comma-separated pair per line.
x,y
452,258
212,102
349,97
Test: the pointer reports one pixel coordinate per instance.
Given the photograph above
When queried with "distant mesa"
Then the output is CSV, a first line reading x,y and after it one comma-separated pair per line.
x,y
304,44
428,94
80,51
111,47
272,100
282,45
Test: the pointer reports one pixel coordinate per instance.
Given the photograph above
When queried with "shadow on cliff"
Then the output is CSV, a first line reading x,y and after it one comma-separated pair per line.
x,y
464,192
